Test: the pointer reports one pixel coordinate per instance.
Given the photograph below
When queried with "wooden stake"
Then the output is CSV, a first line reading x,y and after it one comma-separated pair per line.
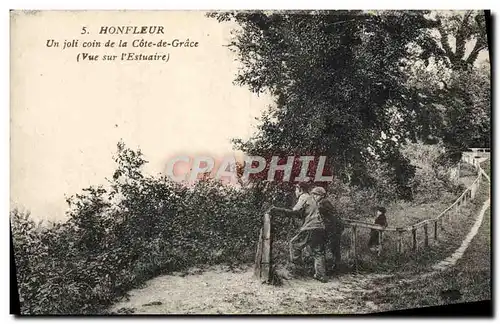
x,y
435,230
258,256
354,239
400,241
266,249
426,233
380,233
348,251
414,235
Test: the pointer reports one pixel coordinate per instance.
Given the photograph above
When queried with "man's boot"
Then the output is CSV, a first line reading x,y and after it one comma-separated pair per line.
x,y
320,278
295,270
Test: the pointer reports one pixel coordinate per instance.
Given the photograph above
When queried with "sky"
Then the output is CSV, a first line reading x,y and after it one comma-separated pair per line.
x,y
68,116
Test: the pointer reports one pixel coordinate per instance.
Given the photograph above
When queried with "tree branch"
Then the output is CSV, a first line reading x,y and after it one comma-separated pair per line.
x,y
445,85
475,52
462,34
446,45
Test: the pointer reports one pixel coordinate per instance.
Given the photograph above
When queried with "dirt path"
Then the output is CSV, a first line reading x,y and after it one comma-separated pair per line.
x,y
218,291
221,290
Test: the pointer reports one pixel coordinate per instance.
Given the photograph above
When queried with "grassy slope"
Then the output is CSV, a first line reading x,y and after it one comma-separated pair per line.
x,y
449,237
486,165
471,276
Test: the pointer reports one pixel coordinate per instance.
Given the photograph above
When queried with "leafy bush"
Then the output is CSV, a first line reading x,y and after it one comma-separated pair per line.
x,y
140,226
433,164
117,238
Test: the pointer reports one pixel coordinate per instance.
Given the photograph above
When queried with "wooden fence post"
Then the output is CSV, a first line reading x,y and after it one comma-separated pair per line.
x,y
258,256
266,249
354,239
435,230
414,235
400,240
380,238
426,233
348,251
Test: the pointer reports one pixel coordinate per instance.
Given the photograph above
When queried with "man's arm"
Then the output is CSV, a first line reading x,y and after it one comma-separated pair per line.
x,y
297,210
286,211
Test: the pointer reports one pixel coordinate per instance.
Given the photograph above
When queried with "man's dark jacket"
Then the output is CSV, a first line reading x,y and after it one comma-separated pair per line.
x,y
333,223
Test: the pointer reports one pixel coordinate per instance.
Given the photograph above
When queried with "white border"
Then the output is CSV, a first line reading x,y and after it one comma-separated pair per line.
x,y
256,4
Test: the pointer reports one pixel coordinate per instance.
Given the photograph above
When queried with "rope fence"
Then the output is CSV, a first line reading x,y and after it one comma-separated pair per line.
x,y
412,237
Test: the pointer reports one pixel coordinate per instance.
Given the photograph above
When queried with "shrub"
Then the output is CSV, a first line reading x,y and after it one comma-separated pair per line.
x,y
432,176
117,238
140,226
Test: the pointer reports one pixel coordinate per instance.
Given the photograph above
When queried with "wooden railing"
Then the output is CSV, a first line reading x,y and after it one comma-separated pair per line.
x,y
436,222
480,149
263,259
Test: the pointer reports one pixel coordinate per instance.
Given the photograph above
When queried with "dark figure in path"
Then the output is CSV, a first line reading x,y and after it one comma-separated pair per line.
x,y
380,220
333,224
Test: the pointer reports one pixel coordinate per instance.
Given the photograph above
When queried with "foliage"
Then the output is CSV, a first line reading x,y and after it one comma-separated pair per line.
x,y
454,107
142,226
456,31
335,93
343,79
117,238
432,177
454,90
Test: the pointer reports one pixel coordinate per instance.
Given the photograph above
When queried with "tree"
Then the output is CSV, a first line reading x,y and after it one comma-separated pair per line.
x,y
338,79
463,28
453,91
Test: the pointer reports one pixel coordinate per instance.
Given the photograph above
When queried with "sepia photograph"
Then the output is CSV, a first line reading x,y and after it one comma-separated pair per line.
x,y
250,162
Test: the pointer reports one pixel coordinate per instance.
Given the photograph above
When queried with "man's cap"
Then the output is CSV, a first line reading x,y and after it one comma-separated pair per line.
x,y
303,186
319,191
